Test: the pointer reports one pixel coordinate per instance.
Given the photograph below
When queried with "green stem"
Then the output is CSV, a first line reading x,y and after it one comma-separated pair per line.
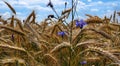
x,y
55,12
71,34
71,24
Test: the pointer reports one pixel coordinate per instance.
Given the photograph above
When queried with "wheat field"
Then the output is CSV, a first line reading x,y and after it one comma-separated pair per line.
x,y
55,42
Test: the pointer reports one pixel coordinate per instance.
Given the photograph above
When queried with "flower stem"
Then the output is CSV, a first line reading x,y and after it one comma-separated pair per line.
x,y
71,24
71,33
55,12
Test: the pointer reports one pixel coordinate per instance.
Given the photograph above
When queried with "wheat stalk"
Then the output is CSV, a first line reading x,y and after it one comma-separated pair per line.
x,y
60,47
6,41
12,22
11,8
49,58
90,42
102,52
30,16
12,60
33,31
102,33
8,47
19,24
13,30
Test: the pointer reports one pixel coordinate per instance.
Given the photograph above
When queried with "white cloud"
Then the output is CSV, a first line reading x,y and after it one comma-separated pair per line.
x,y
80,17
81,3
96,3
23,3
114,4
40,6
35,2
58,2
108,10
1,3
100,2
108,13
89,0
94,9
6,15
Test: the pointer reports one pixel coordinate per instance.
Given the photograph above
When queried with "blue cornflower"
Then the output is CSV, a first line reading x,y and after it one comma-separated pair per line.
x,y
80,23
83,62
62,33
50,4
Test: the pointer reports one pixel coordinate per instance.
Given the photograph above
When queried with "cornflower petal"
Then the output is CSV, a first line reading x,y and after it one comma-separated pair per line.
x,y
83,62
80,23
62,33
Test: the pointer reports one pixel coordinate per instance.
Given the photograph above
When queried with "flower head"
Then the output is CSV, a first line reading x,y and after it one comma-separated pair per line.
x,y
83,62
50,4
80,23
50,16
62,33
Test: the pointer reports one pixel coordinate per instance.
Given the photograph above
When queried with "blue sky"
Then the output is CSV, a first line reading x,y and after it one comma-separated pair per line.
x,y
92,7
